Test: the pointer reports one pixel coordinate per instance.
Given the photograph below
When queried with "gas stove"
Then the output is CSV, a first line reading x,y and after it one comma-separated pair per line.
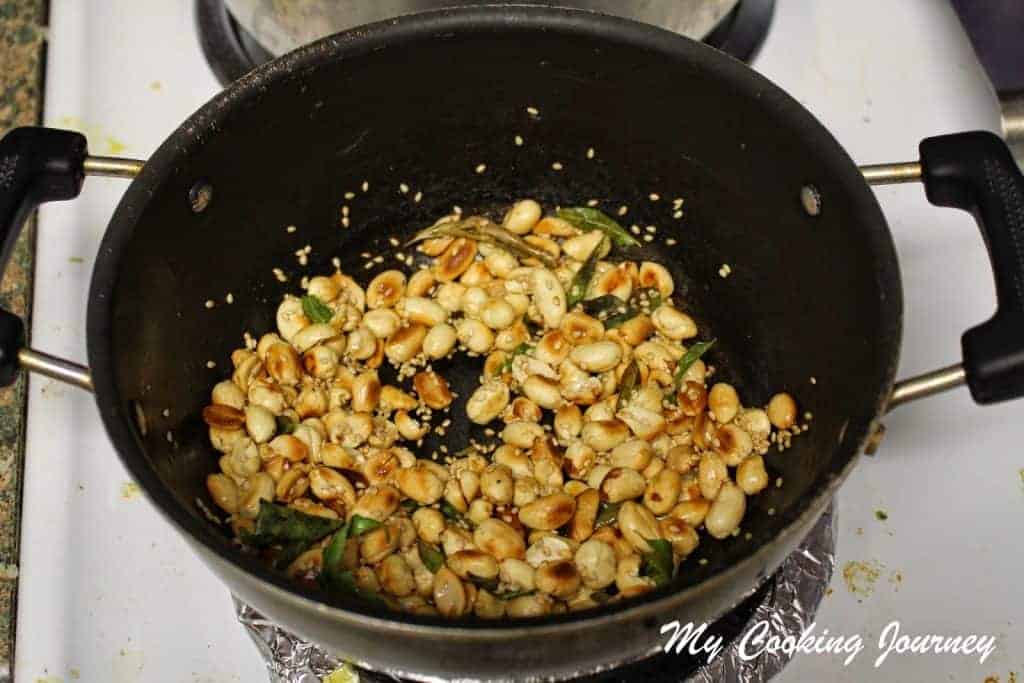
x,y
109,592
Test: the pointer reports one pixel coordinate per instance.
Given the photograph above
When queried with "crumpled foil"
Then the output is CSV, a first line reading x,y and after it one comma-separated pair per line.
x,y
789,607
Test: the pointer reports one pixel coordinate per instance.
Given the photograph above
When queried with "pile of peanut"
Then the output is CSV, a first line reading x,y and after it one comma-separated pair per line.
x,y
604,452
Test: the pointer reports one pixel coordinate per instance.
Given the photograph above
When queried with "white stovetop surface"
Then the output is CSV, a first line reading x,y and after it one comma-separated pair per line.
x,y
108,592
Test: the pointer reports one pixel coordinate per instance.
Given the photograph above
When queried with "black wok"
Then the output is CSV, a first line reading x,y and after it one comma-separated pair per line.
x,y
814,289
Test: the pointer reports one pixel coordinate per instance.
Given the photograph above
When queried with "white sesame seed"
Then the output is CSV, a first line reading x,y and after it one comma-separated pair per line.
x,y
725,270
651,229
365,254
593,202
519,140
654,196
230,298
209,303
210,364
368,265
344,210
345,222
481,168
814,380
393,241
671,241
366,186
557,166
532,111
403,188
635,229
279,274
457,210
336,262
623,210
166,412
677,215
591,153
378,259
417,197
291,228
648,238
350,195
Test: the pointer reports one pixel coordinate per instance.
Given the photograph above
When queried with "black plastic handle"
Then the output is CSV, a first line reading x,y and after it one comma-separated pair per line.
x,y
36,165
976,172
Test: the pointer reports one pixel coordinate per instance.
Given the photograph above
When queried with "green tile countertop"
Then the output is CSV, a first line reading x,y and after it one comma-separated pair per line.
x,y
21,50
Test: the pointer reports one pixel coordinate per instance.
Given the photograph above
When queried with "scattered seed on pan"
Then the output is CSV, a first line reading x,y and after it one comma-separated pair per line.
x,y
210,303
350,195
518,140
814,380
457,210
345,221
677,215
654,196
677,203
378,259
648,238
593,202
291,228
481,168
651,229
591,153
230,298
533,111
166,412
623,210
279,274
417,197
336,262
671,241
635,229
557,166
725,270
210,364
393,241
366,186
403,188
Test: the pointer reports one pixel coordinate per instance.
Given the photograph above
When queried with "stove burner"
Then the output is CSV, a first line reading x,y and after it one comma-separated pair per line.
x,y
231,51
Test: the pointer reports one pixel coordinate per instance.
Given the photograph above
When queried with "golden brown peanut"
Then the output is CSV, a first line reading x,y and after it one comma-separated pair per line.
x,y
681,535
723,402
328,484
421,310
604,435
289,447
479,510
439,341
560,579
223,417
382,322
782,411
681,458
628,579
622,483
260,424
455,260
259,486
755,422
645,424
549,296
362,344
579,459
468,564
546,546
449,295
420,283
522,217
380,466
580,329
578,386
499,539
548,512
662,492
310,336
474,335
544,244
616,280
692,511
497,484
732,444
321,362
534,605
726,511
673,323
635,454
487,402
378,543
596,562
385,289
420,484
636,330
228,394
568,422
598,356
638,525
655,276
487,606
249,371
582,524
311,402
542,391
395,576
429,524
500,263
436,246
553,348
521,434
514,459
454,539
283,364
224,492
308,564
292,484
497,314
449,593
711,474
751,475
433,390
405,343
525,491
366,392
377,502
522,409
290,318
654,468
409,427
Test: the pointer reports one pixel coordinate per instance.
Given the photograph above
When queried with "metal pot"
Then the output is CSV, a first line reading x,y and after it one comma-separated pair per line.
x,y
814,290
283,25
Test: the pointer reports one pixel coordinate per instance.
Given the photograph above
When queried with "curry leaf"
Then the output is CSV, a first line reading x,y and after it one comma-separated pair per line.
x,y
587,219
514,594
518,351
433,559
692,355
609,514
317,311
657,563
360,525
581,280
285,425
628,384
288,529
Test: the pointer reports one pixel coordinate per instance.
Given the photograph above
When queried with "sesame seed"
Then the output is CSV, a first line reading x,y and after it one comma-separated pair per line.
x,y
593,202
651,229
519,140
814,380
378,259
336,262
635,229
365,254
344,210
345,222
210,364
725,270
368,265
532,111
654,196
557,166
403,188
623,210
209,303
671,241
291,228
393,241
481,168
591,153
648,238
230,298
457,210
350,195
279,274
417,197
677,203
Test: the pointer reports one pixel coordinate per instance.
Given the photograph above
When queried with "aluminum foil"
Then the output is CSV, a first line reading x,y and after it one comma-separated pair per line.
x,y
789,607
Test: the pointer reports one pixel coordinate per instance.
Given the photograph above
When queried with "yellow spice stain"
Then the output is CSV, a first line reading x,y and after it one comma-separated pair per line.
x,y
50,679
100,141
346,674
129,490
860,577
74,673
156,86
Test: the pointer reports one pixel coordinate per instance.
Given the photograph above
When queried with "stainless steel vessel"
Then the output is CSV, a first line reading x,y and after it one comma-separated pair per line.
x,y
283,25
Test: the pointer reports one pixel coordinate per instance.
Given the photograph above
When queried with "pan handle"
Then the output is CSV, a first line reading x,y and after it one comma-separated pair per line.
x,y
976,172
40,165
